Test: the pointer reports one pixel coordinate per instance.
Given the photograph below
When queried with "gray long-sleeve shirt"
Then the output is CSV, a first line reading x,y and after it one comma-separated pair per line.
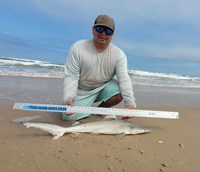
x,y
87,71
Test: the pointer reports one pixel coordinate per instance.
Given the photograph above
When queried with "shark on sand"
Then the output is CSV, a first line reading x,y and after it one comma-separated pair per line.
x,y
97,127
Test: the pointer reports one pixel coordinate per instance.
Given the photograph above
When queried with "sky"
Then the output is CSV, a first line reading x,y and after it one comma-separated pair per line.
x,y
156,35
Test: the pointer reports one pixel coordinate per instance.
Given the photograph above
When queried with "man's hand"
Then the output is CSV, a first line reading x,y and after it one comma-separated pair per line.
x,y
69,103
131,107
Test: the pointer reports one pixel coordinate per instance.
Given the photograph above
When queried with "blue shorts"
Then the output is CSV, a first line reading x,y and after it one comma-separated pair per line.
x,y
111,89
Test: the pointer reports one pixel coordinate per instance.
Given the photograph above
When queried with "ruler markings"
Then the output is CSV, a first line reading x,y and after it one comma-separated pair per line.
x,y
96,110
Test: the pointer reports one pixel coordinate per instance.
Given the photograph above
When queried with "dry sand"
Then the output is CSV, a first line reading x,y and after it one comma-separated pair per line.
x,y
171,146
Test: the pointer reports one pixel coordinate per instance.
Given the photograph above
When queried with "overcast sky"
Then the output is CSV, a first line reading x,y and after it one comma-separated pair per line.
x,y
156,35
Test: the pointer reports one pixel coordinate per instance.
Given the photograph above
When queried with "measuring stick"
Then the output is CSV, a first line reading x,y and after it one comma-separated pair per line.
x,y
96,110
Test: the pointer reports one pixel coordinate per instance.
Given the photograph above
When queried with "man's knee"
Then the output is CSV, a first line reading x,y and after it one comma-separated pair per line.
x,y
115,99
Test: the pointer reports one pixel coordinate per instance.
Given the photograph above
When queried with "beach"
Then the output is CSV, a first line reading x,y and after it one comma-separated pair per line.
x,y
171,146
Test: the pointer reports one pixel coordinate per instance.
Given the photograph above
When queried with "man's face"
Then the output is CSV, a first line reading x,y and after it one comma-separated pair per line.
x,y
102,35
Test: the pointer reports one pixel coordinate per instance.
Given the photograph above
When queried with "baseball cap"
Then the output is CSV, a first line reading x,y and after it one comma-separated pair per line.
x,y
104,20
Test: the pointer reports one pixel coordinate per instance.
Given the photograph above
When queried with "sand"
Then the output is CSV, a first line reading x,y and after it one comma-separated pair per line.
x,y
171,146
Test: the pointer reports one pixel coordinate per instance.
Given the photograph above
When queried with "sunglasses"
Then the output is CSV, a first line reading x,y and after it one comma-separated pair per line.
x,y
101,29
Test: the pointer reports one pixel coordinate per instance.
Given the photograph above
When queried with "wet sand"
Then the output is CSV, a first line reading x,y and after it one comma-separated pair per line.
x,y
171,146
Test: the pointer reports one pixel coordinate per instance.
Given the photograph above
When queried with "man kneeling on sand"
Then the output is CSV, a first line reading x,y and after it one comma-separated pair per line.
x,y
90,69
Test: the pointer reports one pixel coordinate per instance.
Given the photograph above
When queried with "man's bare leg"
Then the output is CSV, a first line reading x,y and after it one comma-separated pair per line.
x,y
112,101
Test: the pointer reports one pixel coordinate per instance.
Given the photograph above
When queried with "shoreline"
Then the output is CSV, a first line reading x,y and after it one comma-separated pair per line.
x,y
49,90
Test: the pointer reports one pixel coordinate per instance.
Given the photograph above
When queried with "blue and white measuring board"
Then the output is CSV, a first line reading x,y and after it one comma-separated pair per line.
x,y
96,110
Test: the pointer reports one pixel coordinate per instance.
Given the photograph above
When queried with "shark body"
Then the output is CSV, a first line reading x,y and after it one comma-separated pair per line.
x,y
98,127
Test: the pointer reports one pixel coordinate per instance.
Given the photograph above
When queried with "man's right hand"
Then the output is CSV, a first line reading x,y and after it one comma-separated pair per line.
x,y
69,103
131,107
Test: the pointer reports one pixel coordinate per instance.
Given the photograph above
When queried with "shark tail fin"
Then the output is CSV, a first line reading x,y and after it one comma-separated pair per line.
x,y
55,130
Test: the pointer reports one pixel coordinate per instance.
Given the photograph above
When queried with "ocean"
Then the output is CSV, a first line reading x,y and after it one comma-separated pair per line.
x,y
36,68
